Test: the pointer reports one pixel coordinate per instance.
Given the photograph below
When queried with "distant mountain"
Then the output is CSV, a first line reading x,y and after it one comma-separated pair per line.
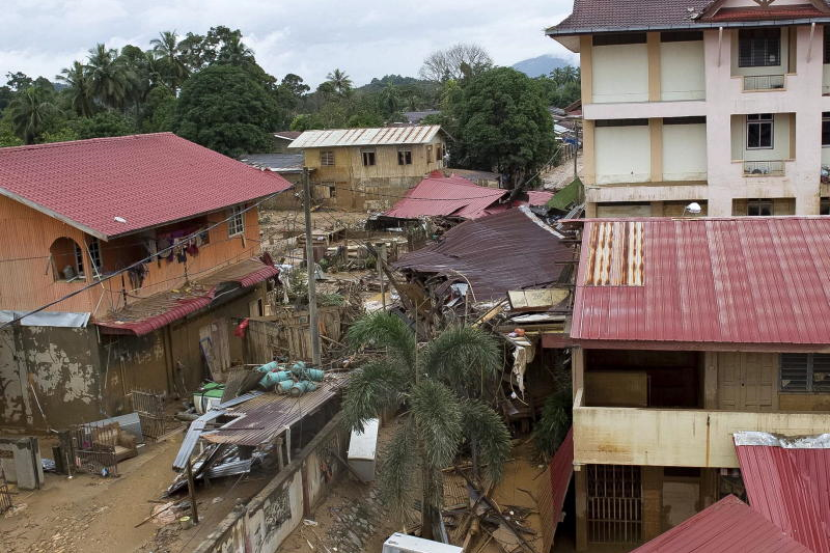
x,y
542,65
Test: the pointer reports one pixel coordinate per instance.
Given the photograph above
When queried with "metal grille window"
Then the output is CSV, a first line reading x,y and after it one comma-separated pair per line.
x,y
805,372
759,131
759,47
404,157
327,158
615,504
236,223
95,254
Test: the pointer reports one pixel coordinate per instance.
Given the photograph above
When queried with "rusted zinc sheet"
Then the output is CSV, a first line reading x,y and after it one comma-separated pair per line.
x,y
385,136
759,280
513,250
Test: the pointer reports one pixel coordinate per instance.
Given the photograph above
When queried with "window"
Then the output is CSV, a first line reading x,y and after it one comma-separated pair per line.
x,y
825,128
759,129
67,260
368,158
95,255
681,36
615,39
439,152
429,154
684,120
827,44
621,122
404,157
824,207
805,372
327,158
328,190
759,47
236,222
759,208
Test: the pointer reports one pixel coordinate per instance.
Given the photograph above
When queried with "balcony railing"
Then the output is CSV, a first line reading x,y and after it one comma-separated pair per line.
x,y
763,168
763,82
675,437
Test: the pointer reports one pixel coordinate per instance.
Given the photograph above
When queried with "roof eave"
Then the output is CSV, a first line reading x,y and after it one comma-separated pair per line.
x,y
54,214
557,33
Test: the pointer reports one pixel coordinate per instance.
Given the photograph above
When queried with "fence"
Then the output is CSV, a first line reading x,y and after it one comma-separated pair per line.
x,y
5,495
764,82
270,517
94,449
287,333
763,168
150,408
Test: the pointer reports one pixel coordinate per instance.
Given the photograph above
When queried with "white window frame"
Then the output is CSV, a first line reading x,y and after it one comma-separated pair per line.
x,y
236,221
327,158
761,119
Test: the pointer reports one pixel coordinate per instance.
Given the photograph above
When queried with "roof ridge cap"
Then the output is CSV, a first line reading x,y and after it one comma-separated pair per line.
x,y
64,143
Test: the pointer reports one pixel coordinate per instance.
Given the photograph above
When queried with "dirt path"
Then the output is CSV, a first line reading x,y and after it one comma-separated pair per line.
x,y
90,514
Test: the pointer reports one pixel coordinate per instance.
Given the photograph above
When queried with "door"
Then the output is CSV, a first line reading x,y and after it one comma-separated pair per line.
x,y
746,381
213,341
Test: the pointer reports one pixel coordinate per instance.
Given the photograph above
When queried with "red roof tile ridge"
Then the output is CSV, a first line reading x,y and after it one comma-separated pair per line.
x,y
85,141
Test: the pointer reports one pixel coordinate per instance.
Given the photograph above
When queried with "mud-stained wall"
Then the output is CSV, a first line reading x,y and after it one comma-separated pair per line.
x,y
49,377
133,363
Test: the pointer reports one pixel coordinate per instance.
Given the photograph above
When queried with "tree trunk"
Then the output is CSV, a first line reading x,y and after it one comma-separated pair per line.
x,y
429,512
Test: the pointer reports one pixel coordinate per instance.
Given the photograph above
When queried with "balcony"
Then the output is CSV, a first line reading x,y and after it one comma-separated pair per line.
x,y
675,437
764,168
753,83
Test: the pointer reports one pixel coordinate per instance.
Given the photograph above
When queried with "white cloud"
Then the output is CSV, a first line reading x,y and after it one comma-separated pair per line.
x,y
366,38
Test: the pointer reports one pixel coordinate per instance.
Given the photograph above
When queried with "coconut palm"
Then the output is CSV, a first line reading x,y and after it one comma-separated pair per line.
x,y
390,100
30,111
234,51
111,77
80,88
443,385
171,54
340,82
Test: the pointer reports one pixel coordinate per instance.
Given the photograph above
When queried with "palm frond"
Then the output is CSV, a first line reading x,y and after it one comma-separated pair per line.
x,y
398,469
377,386
437,414
556,420
385,330
461,356
488,437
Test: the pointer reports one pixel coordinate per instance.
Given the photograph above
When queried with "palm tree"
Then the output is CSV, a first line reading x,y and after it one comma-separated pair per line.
x,y
340,82
30,110
234,51
171,53
390,100
80,88
110,75
443,384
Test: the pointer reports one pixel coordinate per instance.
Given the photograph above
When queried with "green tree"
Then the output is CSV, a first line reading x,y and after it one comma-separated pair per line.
x,y
7,136
339,82
65,134
390,100
172,59
444,386
159,111
223,108
103,124
562,86
18,81
79,89
30,113
110,75
501,122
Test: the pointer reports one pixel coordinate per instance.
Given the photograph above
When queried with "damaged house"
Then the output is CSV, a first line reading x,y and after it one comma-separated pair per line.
x,y
126,264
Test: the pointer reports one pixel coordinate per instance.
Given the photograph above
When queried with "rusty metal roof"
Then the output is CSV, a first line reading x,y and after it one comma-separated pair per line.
x,y
788,483
384,136
561,471
728,526
513,250
759,280
260,419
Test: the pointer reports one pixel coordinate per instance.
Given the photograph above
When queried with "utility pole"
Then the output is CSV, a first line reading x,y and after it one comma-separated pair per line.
x,y
312,285
381,261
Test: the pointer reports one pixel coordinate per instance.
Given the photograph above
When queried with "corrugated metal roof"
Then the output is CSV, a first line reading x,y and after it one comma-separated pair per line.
x,y
159,310
790,486
728,526
760,280
438,195
492,254
148,180
384,136
279,163
561,471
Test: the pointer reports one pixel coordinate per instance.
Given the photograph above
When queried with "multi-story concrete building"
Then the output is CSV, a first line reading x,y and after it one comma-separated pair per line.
x,y
721,102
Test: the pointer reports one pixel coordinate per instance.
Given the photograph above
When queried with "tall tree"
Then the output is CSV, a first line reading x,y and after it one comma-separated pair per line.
x,y
80,89
443,388
171,55
224,108
18,81
340,82
111,77
455,63
30,112
501,122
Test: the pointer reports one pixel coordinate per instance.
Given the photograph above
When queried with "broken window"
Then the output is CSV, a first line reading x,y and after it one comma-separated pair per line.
x,y
67,260
759,131
759,208
404,157
327,158
759,47
236,223
368,158
805,372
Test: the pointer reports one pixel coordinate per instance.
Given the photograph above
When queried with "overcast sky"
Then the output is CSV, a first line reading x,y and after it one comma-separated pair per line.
x,y
365,38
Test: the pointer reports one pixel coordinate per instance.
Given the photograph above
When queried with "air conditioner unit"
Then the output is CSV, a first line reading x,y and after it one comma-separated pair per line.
x,y
402,543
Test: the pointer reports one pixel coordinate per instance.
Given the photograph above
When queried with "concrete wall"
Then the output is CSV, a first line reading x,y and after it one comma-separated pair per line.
x,y
684,152
620,73
264,523
623,154
780,69
682,71
781,131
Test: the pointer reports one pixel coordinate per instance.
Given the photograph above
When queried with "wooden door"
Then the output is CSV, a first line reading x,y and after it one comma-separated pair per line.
x,y
746,381
213,340
729,381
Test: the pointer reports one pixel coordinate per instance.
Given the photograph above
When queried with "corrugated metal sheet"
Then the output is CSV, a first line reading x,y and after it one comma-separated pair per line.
x,y
615,254
492,254
733,280
385,136
438,195
728,526
561,471
149,314
791,488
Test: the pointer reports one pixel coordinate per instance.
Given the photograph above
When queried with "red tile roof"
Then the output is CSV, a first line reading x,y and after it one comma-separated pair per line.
x,y
728,526
773,13
159,310
789,486
149,180
763,280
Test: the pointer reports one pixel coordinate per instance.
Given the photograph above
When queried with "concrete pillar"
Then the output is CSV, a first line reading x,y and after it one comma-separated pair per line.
x,y
581,492
652,479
